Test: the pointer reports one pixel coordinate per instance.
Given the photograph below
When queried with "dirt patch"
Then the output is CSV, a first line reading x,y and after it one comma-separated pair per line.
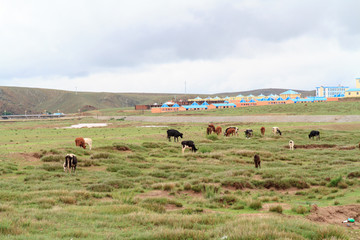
x,y
336,215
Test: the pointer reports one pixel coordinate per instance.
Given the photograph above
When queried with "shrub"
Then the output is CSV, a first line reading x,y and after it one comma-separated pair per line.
x,y
300,209
187,186
100,188
52,158
68,199
121,147
205,149
168,186
342,185
354,174
334,182
120,183
277,209
212,137
255,205
101,156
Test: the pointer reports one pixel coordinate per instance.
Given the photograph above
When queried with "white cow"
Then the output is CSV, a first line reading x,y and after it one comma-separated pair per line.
x,y
291,145
88,141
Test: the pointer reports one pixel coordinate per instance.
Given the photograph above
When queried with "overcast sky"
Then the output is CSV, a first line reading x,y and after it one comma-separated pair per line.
x,y
155,46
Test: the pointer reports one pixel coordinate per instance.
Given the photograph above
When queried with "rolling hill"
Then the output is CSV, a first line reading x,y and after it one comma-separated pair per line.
x,y
17,100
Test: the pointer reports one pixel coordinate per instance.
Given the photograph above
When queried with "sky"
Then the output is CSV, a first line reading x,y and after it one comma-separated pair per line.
x,y
179,46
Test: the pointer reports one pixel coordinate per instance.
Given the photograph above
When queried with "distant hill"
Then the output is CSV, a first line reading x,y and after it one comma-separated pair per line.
x,y
17,100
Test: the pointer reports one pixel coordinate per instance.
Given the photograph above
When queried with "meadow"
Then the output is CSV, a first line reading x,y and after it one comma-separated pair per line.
x,y
135,184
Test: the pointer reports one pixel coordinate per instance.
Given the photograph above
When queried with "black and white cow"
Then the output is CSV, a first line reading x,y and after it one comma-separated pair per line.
x,y
249,133
188,144
70,163
174,133
314,133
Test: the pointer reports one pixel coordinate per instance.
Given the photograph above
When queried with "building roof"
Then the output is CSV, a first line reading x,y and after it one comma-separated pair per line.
x,y
289,92
333,87
164,105
224,104
205,103
280,99
252,101
353,90
194,106
239,95
198,98
176,105
243,101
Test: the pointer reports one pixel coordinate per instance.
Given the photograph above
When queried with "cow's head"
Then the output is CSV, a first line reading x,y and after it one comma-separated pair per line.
x,y
181,135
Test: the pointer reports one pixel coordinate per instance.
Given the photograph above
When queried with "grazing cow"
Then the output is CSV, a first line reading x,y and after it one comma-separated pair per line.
x,y
314,133
218,130
188,144
208,130
236,130
174,133
212,127
276,130
262,130
257,161
291,145
80,142
230,131
70,163
88,141
249,133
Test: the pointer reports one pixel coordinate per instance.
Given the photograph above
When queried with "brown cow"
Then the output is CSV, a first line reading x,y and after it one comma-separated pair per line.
x,y
212,127
257,161
80,142
218,130
208,130
230,131
262,130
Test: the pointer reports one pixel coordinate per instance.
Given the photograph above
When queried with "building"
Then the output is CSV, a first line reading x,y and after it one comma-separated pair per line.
x,y
330,92
290,94
354,92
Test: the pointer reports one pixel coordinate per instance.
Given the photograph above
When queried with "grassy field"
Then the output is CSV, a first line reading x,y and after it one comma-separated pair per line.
x,y
327,108
135,184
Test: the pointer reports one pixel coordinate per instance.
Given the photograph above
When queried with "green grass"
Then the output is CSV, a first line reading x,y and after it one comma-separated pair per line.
x,y
135,184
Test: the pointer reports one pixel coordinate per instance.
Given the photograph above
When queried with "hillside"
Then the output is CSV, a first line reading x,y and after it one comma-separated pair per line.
x,y
17,100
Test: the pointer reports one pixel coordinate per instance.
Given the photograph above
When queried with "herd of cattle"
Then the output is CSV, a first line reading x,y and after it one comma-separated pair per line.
x,y
230,131
71,160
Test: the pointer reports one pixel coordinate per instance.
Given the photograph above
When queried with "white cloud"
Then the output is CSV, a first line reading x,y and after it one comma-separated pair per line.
x,y
142,46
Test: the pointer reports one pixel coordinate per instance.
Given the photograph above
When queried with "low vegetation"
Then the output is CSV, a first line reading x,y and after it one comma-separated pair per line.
x,y
135,184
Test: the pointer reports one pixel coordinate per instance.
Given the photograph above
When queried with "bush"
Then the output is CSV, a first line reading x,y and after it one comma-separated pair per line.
x,y
255,205
101,156
300,209
334,182
277,209
52,158
212,137
205,149
100,188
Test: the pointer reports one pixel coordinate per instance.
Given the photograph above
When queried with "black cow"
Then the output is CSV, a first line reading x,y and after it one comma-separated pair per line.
x,y
314,133
249,133
188,144
70,163
174,133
